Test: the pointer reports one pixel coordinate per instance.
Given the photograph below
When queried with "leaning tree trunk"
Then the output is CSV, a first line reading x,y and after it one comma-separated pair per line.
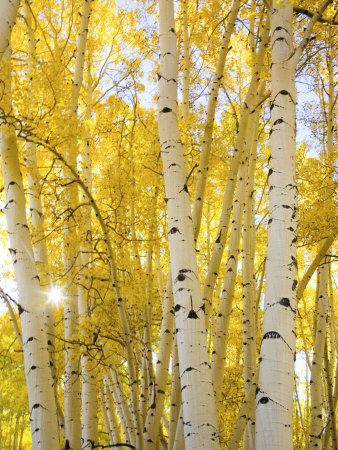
x,y
200,422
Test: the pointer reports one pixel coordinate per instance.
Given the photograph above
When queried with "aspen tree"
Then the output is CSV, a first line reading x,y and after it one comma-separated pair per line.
x,y
199,410
186,61
104,413
37,220
243,143
42,406
122,406
175,397
114,430
89,433
316,427
162,365
8,12
248,107
72,399
331,419
275,389
249,282
209,120
198,201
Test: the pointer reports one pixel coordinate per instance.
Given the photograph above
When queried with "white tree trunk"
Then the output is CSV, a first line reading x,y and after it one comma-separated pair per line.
x,y
186,61
316,427
114,428
199,410
209,121
42,405
123,408
175,396
275,389
8,11
274,403
37,216
72,396
162,365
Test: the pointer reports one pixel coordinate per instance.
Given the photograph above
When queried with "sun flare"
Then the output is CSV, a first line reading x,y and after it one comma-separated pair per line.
x,y
54,295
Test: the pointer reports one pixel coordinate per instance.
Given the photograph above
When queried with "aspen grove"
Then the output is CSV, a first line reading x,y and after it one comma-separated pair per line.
x,y
168,224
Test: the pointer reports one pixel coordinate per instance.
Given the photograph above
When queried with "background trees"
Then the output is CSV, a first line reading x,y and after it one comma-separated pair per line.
x,y
98,178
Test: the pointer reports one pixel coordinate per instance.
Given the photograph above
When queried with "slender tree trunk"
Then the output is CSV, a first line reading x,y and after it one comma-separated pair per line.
x,y
175,397
72,395
38,376
275,389
243,144
331,422
37,222
199,410
209,121
316,427
248,108
114,429
244,414
123,408
186,61
162,365
249,285
8,11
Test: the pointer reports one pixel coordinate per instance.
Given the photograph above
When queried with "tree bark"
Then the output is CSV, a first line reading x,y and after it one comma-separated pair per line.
x,y
42,405
200,423
275,389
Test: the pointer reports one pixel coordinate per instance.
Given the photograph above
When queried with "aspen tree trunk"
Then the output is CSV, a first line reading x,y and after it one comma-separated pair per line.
x,y
249,284
243,144
8,11
179,443
199,410
104,412
206,146
109,390
162,365
37,219
122,407
114,429
247,109
209,121
42,406
316,427
331,429
72,396
186,61
244,414
175,397
198,202
89,433
275,389
148,372
223,316
274,401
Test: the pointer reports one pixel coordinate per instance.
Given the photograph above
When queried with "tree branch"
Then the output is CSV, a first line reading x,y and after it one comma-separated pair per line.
x,y
310,14
307,35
